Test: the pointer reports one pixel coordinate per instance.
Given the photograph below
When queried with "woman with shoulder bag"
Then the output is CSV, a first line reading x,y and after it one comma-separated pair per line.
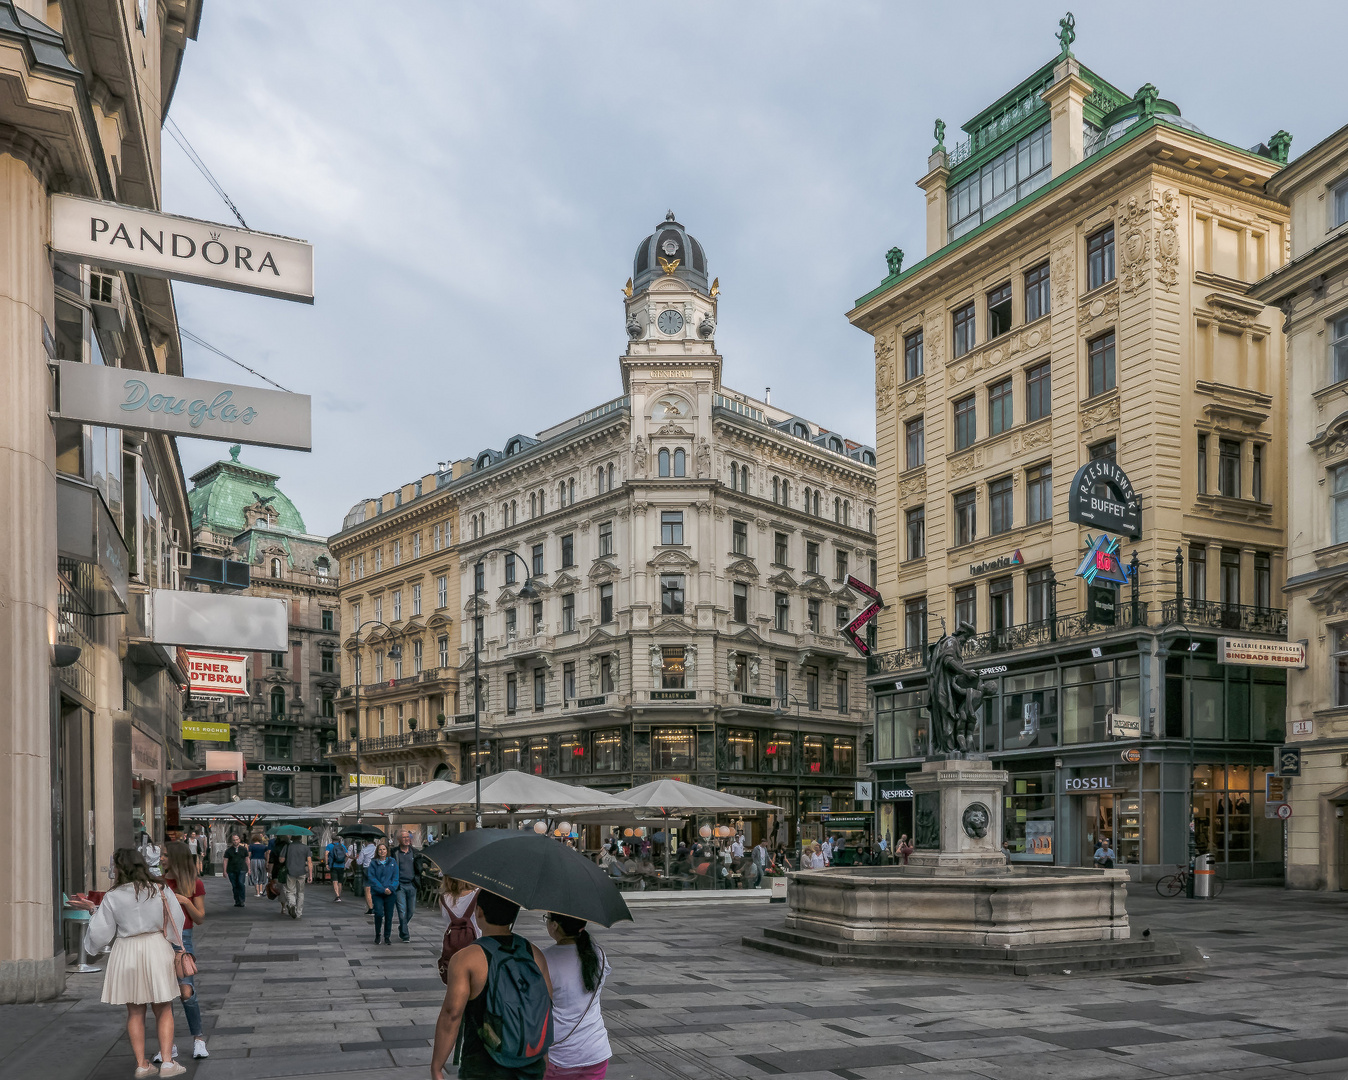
x,y
142,921
577,968
458,909
191,893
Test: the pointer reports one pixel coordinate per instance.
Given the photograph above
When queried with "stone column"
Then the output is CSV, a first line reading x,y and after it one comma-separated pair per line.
x,y
934,184
1065,100
31,967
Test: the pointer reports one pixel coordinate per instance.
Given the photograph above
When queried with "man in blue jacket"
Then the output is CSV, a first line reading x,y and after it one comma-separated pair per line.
x,y
409,874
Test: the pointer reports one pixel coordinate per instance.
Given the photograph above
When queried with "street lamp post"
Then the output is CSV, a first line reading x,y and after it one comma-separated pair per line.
x,y
527,592
796,753
395,651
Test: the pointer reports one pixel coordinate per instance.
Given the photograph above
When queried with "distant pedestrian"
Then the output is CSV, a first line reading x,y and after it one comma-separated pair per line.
x,y
1104,854
409,877
904,848
381,880
298,863
152,853
236,867
257,863
142,920
191,893
367,854
577,969
335,856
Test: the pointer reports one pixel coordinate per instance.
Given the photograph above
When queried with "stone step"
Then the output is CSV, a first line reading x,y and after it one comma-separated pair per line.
x,y
1050,951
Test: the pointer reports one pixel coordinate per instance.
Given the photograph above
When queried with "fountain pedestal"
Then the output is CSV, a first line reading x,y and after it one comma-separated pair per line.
x,y
958,803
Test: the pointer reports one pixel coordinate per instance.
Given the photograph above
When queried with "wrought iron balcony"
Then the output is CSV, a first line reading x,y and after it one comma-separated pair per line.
x,y
389,742
1218,616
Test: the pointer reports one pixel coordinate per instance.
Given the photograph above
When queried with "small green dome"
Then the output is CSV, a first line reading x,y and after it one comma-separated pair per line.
x,y
220,492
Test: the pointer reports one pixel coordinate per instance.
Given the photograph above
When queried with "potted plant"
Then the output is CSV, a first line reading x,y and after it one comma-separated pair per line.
x,y
411,723
440,720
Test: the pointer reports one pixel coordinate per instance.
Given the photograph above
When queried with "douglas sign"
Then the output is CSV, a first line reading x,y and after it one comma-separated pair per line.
x,y
164,245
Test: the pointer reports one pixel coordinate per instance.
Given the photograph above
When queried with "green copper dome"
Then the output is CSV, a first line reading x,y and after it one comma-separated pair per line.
x,y
220,492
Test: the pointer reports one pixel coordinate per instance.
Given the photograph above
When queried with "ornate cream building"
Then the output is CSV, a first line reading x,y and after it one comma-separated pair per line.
x,y
1077,349
1312,291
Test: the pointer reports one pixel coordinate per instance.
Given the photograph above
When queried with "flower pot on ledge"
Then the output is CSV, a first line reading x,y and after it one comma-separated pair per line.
x,y
411,723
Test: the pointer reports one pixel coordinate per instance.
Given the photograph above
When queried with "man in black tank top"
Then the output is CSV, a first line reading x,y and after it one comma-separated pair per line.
x,y
466,1000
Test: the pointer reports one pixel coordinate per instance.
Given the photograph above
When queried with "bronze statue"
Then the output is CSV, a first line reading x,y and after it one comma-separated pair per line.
x,y
955,693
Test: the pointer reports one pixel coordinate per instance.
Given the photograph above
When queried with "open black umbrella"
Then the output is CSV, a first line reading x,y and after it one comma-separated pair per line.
x,y
363,830
534,871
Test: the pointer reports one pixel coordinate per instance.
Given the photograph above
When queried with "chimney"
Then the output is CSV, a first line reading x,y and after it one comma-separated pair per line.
x,y
767,396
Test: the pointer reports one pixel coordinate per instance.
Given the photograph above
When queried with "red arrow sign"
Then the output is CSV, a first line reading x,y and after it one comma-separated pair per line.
x,y
864,589
852,629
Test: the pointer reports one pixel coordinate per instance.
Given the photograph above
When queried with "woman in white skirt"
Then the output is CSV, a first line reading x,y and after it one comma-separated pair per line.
x,y
140,967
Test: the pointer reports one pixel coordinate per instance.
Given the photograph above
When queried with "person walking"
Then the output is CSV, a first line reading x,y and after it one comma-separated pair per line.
x,y
499,950
904,848
152,853
458,910
409,877
298,863
577,968
236,867
190,890
141,920
381,880
257,864
335,856
363,860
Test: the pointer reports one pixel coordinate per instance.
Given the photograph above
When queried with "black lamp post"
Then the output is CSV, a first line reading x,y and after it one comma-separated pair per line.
x,y
797,752
395,652
527,592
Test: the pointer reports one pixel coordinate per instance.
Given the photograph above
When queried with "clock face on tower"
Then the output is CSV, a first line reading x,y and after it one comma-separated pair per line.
x,y
670,321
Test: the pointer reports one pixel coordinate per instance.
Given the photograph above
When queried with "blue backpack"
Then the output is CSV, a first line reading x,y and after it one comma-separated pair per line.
x,y
517,1026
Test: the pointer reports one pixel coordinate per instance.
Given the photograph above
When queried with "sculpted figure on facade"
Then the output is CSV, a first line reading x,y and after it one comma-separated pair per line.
x,y
639,455
957,693
755,662
689,663
703,457
657,660
615,665
594,673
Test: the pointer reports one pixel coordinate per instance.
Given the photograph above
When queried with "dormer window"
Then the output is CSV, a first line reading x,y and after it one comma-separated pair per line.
x,y
276,568
800,431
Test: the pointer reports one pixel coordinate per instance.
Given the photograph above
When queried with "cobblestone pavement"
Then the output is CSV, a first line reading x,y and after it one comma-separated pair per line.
x,y
318,998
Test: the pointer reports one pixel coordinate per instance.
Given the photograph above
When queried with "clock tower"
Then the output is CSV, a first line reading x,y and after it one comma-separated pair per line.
x,y
671,369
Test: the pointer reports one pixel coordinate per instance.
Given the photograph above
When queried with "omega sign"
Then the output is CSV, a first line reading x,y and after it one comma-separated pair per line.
x,y
1101,495
165,245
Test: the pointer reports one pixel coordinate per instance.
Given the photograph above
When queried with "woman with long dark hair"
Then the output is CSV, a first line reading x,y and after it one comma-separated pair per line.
x,y
142,921
577,966
181,876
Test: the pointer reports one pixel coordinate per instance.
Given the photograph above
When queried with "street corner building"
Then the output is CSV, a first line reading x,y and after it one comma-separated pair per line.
x,y
656,587
1312,291
283,726
95,517
1082,423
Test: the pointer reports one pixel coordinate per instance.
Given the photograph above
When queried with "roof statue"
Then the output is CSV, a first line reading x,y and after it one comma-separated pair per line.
x,y
939,133
1067,33
894,259
1281,145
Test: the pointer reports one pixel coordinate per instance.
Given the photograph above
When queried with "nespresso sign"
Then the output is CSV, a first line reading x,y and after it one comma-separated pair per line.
x,y
1102,496
165,245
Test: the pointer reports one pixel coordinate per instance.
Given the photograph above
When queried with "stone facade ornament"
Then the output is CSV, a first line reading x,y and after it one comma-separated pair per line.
x,y
1134,245
1167,240
884,374
703,458
634,328
689,663
639,455
975,820
706,328
657,664
894,260
1061,272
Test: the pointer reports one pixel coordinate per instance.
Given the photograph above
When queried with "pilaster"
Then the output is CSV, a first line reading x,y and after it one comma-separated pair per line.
x,y
1065,100
934,184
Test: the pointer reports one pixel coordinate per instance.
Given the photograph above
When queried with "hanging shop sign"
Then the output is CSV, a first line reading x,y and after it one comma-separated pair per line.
x,y
1002,562
852,631
217,673
1102,496
1289,761
894,792
1122,726
147,755
203,731
1254,652
365,780
148,401
185,249
213,620
1102,562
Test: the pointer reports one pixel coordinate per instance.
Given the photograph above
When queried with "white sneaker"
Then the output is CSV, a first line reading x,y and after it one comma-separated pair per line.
x,y
158,1058
199,1049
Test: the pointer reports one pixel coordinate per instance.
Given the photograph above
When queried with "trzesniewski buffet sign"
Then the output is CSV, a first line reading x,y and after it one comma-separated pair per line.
x,y
148,401
165,245
1101,495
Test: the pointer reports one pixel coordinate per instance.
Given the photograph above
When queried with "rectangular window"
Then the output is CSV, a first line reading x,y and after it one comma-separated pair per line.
x,y
605,603
1101,359
510,624
812,615
915,623
416,599
1198,572
843,696
812,688
1340,208
397,552
278,747
379,608
355,616
327,618
1341,666
1039,494
606,538
397,604
442,591
510,569
1202,465
966,605
379,666
378,559
671,667
1230,577
966,426
538,560
443,644
842,616
327,662
741,612
1263,580
740,683
1257,473
964,328
966,518
915,443
512,693
915,523
1020,169
436,542
1228,468
568,681
606,674
416,545
1100,258
278,659
1036,293
671,594
999,311
479,577
537,613
999,603
1105,451
781,682
779,550
417,650
540,689
1000,411
811,557
568,549
1039,594
840,565
671,527
782,611
568,612
1338,346
912,356
739,538
1038,392
999,505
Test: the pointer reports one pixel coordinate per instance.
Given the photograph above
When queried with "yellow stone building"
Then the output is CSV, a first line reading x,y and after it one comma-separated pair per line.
x,y
1076,359
399,600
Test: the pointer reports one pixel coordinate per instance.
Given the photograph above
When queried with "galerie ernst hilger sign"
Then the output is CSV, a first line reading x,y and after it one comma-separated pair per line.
x,y
165,245
1101,495
147,401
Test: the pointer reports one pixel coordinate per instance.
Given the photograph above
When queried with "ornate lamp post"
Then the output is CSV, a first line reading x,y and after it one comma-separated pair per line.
x,y
395,651
797,751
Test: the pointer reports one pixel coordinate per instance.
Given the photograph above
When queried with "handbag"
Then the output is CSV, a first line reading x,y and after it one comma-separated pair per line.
x,y
458,935
184,963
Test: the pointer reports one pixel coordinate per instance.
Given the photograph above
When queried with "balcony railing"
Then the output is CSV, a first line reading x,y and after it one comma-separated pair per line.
x,y
434,674
391,742
1209,613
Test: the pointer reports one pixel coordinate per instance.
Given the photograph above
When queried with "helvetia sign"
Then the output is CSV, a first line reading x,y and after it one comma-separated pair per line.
x,y
185,249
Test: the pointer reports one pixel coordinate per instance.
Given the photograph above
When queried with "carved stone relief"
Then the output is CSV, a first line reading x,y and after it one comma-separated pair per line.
x,y
1099,311
1167,240
1032,439
1134,244
1005,347
884,374
912,488
1061,272
1096,415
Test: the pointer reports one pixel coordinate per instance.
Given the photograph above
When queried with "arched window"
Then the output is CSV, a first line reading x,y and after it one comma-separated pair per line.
x,y
870,521
734,476
835,443
600,486
744,479
664,462
514,512
278,702
847,512
786,493
868,457
276,568
776,489
611,473
679,462
571,491
807,500
816,504
533,505
800,430
837,509
322,567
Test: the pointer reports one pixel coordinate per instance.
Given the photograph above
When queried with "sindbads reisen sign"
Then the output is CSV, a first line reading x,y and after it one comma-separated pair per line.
x,y
165,245
148,401
1256,652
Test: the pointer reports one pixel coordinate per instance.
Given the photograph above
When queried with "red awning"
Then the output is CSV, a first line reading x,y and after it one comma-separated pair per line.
x,y
201,783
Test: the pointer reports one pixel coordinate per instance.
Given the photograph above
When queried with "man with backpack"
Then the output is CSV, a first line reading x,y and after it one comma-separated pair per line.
x,y
498,990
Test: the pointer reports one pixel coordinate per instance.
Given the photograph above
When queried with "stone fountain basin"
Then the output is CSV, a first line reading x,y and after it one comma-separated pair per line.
x,y
1005,906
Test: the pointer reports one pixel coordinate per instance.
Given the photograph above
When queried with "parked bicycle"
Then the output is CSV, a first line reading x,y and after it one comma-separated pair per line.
x,y
1175,884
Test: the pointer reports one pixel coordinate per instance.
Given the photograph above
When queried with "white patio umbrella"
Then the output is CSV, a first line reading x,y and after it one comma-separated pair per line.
x,y
374,799
515,792
413,795
248,810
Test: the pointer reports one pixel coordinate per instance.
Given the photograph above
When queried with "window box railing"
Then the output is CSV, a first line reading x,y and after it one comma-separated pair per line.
x,y
1219,616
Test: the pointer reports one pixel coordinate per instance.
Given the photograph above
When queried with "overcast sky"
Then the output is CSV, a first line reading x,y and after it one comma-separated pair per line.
x,y
475,178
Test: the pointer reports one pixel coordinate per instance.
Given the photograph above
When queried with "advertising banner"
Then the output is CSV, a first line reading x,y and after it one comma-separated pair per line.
x,y
214,621
203,731
217,673
1257,652
365,780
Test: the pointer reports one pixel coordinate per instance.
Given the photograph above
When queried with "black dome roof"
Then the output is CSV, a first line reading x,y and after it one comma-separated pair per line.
x,y
672,243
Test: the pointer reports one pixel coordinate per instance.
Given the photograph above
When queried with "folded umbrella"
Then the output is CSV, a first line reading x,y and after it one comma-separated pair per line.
x,y
534,871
